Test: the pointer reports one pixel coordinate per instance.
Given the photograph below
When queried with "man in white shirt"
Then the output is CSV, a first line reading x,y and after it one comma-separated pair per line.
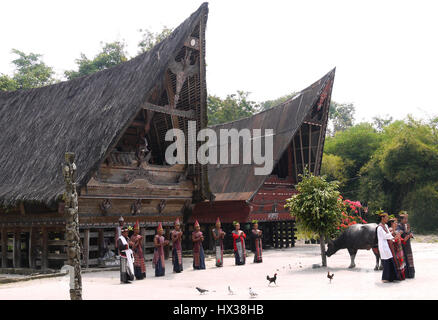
x,y
383,235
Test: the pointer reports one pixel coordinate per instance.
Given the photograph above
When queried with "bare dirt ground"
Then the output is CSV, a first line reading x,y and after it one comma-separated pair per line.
x,y
296,279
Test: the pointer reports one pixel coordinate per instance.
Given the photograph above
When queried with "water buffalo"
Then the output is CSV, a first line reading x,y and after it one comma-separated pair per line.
x,y
355,237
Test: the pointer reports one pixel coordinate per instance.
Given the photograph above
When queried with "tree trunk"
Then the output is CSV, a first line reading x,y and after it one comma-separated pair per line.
x,y
322,245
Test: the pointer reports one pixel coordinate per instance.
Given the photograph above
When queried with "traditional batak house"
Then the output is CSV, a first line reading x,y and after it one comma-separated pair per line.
x,y
115,122
299,126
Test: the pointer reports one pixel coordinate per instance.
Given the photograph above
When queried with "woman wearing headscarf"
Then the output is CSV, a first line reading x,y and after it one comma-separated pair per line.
x,y
406,234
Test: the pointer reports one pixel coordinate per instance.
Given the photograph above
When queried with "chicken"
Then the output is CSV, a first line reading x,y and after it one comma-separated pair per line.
x,y
330,276
201,291
273,279
252,294
231,292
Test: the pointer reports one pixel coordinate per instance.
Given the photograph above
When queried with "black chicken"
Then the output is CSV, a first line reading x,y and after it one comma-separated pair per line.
x,y
201,291
273,279
330,276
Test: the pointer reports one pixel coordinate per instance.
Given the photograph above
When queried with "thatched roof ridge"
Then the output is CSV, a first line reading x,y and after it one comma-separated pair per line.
x,y
238,182
86,115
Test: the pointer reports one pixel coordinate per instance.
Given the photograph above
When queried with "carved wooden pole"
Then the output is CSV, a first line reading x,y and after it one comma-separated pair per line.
x,y
72,225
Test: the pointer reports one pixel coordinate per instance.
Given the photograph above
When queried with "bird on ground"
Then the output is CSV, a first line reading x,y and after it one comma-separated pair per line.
x,y
330,276
231,292
272,279
201,291
290,268
252,294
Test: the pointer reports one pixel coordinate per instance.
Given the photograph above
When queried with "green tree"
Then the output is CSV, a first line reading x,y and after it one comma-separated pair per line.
x,y
355,146
341,115
265,105
150,39
233,107
404,164
30,72
335,168
7,83
382,122
317,207
110,55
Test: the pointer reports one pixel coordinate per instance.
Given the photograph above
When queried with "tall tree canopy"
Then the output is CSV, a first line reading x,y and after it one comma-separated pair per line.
x,y
111,54
30,72
233,107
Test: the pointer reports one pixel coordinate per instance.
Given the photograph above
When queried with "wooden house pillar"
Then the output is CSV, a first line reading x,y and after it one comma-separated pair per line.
x,y
101,240
4,248
16,249
44,248
86,251
167,237
32,243
143,239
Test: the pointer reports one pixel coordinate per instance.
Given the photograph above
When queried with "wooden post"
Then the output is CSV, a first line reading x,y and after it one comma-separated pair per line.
x,y
32,264
167,237
72,226
289,161
143,240
295,160
302,151
101,240
16,262
44,249
4,248
86,253
310,147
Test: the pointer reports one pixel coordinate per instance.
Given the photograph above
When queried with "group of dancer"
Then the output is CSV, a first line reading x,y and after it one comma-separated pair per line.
x,y
130,249
395,247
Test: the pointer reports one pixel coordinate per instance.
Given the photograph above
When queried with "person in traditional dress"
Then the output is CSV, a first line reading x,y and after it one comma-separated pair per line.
x,y
137,248
396,249
176,236
126,257
406,234
158,260
256,238
218,236
239,244
389,273
198,250
118,232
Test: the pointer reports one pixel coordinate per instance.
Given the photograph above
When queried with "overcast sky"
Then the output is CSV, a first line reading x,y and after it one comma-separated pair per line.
x,y
385,52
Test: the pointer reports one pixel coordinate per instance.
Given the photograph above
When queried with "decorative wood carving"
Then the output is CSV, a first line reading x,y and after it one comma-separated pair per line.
x,y
72,225
105,206
136,207
161,206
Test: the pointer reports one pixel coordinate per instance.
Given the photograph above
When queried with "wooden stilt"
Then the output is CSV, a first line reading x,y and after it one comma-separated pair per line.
x,y
295,160
4,248
86,253
44,249
302,152
287,233
101,242
167,237
31,246
310,147
143,241
16,262
289,161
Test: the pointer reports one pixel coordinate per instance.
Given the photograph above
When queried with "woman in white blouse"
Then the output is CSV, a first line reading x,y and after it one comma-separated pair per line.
x,y
383,235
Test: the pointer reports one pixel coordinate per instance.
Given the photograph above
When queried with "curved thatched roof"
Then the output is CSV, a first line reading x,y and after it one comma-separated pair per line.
x,y
86,115
238,182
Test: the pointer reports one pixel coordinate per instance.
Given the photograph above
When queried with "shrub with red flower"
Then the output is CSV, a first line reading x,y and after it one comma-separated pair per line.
x,y
350,215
